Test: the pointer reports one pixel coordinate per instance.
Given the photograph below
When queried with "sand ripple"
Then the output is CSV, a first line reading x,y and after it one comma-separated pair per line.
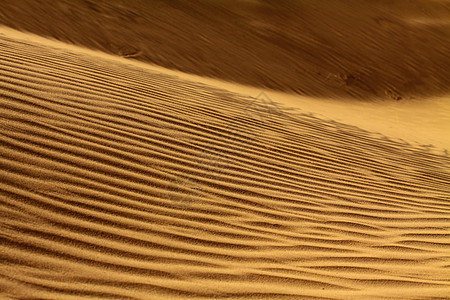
x,y
117,182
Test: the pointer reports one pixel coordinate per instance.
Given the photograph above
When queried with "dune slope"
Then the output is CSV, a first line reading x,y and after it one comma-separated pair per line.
x,y
118,182
323,48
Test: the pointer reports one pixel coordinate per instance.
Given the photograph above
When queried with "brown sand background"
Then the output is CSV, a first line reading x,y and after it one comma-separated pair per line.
x,y
352,48
121,180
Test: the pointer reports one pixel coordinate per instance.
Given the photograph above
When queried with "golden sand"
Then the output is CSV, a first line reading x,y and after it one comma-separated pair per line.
x,y
119,181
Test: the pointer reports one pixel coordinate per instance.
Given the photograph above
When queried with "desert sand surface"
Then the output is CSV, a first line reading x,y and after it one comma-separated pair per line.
x,y
121,180
322,48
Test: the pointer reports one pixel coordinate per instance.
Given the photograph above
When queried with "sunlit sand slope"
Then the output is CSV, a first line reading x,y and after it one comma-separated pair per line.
x,y
116,182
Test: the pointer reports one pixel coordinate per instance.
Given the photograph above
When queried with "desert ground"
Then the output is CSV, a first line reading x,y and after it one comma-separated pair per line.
x,y
123,179
320,48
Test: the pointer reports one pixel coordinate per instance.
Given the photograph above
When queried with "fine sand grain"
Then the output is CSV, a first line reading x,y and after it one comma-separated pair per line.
x,y
121,182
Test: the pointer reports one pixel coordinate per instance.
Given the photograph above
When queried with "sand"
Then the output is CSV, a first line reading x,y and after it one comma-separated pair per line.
x,y
322,48
124,180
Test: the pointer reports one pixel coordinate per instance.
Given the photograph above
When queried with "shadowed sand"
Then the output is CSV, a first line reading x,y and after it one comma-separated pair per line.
x,y
119,181
362,49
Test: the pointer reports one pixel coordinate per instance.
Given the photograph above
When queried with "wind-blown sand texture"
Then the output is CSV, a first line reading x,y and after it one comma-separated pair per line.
x,y
119,182
323,48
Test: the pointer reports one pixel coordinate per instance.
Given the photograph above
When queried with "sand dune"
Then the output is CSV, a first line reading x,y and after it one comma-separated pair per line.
x,y
120,182
362,49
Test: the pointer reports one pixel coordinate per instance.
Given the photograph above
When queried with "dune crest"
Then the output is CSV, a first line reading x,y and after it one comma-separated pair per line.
x,y
362,49
119,182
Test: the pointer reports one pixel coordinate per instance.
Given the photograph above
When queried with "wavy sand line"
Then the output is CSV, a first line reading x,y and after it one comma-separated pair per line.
x,y
117,182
